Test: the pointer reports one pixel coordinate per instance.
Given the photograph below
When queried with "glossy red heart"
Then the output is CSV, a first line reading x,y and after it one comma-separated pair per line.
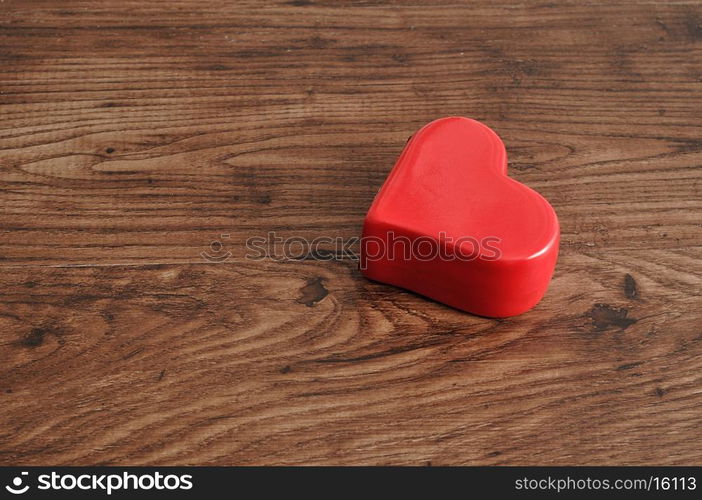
x,y
449,223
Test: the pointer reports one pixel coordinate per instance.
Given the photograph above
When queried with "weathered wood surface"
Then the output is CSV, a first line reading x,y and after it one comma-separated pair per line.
x,y
134,134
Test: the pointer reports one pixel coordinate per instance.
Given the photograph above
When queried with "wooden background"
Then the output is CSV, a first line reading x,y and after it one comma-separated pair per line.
x,y
135,134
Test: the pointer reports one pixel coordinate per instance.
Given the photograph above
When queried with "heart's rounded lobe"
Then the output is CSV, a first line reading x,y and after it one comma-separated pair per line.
x,y
449,224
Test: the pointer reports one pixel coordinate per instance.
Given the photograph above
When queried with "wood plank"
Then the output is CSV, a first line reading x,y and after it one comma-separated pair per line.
x,y
135,141
252,363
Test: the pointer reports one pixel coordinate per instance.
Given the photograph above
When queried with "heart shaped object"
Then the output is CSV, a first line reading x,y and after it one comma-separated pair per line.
x,y
449,224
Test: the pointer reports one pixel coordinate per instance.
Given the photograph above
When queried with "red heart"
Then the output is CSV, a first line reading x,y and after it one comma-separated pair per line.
x,y
449,224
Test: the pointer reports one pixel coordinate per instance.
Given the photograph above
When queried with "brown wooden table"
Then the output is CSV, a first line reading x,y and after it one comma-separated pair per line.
x,y
136,136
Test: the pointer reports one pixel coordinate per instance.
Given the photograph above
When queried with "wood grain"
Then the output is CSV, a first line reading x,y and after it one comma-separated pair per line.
x,y
134,134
